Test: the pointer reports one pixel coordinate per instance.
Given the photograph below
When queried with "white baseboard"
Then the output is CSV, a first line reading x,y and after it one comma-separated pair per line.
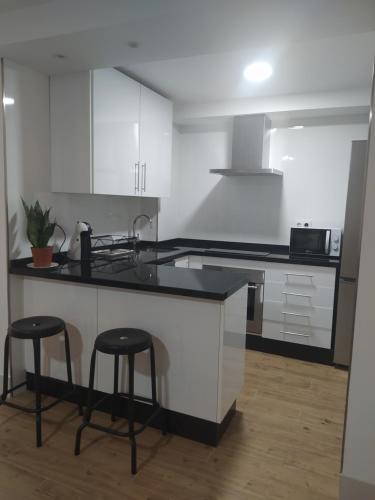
x,y
352,489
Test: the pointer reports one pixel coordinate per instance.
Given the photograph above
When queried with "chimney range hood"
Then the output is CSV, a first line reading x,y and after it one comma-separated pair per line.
x,y
250,147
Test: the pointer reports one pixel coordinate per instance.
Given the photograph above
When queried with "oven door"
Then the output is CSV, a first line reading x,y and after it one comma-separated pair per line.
x,y
254,319
254,308
309,241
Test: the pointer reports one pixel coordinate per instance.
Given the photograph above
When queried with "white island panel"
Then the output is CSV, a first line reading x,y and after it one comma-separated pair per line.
x,y
77,305
186,336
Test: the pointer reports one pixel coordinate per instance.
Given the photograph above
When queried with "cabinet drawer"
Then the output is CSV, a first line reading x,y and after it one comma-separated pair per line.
x,y
301,276
312,336
300,296
242,263
302,316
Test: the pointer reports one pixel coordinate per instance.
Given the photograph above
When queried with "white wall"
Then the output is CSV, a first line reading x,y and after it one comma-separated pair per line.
x,y
260,209
27,151
358,476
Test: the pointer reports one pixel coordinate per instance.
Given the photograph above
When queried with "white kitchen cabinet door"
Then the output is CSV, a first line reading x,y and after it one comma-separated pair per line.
x,y
155,144
70,112
77,305
116,101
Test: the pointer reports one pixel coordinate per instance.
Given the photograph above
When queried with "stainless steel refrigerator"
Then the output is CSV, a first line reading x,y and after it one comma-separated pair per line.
x,y
351,249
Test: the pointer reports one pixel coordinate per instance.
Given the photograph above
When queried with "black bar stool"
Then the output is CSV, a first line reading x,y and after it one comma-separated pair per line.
x,y
122,342
35,328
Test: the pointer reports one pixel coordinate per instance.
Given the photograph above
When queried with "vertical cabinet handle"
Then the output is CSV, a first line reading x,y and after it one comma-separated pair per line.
x,y
136,178
144,173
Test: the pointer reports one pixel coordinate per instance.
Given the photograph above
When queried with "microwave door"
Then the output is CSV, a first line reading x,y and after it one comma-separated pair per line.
x,y
328,242
310,241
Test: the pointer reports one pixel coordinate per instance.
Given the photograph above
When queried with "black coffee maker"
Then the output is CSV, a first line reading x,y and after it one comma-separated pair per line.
x,y
80,243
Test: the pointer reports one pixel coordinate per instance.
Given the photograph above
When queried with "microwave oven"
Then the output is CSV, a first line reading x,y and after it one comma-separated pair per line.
x,y
315,242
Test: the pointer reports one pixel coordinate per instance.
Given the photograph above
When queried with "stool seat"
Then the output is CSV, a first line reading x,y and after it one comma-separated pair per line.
x,y
123,341
36,327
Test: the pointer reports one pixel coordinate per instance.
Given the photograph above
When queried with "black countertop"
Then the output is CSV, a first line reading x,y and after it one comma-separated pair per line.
x,y
146,272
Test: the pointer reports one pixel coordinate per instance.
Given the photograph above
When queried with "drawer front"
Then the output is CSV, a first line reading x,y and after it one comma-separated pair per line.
x,y
281,312
299,296
301,276
242,263
307,335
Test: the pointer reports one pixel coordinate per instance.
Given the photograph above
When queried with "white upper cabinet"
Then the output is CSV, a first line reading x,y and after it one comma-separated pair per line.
x,y
115,118
155,143
70,109
109,135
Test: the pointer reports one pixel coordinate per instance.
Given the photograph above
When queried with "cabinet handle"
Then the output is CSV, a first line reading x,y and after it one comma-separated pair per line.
x,y
144,172
253,287
136,179
297,295
300,274
294,333
296,314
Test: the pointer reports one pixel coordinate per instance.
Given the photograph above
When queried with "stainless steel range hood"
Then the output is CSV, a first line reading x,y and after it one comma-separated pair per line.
x,y
250,147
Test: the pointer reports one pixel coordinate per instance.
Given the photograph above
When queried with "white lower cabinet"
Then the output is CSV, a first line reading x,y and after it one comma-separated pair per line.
x,y
298,304
76,305
186,336
298,299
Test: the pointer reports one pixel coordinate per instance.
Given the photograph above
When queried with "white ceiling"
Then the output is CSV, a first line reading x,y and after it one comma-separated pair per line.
x,y
195,50
331,64
12,5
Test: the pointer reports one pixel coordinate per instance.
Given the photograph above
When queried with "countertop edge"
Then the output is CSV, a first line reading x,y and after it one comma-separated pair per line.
x,y
184,292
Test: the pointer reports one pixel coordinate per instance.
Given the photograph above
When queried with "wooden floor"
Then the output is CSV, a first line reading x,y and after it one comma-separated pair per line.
x,y
284,443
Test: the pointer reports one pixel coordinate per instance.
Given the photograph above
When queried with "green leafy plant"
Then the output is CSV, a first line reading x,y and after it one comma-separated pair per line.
x,y
39,228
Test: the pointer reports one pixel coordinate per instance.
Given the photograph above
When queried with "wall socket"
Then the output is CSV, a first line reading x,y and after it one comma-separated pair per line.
x,y
304,223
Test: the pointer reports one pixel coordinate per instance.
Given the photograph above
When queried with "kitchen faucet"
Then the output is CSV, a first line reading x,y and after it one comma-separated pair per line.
x,y
136,236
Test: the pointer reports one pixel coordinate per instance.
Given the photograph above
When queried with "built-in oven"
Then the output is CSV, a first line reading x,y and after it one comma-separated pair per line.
x,y
255,291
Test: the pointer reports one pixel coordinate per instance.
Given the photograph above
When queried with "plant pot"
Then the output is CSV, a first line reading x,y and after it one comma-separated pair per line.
x,y
42,257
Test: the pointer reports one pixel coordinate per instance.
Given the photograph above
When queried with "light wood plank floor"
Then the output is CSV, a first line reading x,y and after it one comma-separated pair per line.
x,y
285,443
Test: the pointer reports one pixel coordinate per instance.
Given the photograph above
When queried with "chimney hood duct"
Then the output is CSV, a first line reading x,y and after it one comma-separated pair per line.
x,y
250,147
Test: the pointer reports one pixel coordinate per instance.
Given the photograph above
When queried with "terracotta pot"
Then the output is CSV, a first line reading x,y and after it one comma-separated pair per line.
x,y
42,257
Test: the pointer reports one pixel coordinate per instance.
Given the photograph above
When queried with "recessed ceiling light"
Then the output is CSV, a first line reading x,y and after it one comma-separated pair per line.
x,y
258,71
287,158
296,127
8,100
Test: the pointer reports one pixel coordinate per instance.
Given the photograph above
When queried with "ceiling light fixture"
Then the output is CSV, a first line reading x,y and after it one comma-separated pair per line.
x,y
287,158
8,100
296,127
258,71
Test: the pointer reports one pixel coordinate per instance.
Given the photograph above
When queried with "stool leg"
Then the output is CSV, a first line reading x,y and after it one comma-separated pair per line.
x,y
38,400
153,390
69,366
131,415
87,415
153,375
115,388
6,369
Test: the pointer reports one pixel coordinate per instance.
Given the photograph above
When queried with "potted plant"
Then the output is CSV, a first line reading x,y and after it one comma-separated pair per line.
x,y
39,231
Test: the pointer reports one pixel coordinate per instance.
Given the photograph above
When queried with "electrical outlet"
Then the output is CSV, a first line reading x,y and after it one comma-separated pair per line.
x,y
304,223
